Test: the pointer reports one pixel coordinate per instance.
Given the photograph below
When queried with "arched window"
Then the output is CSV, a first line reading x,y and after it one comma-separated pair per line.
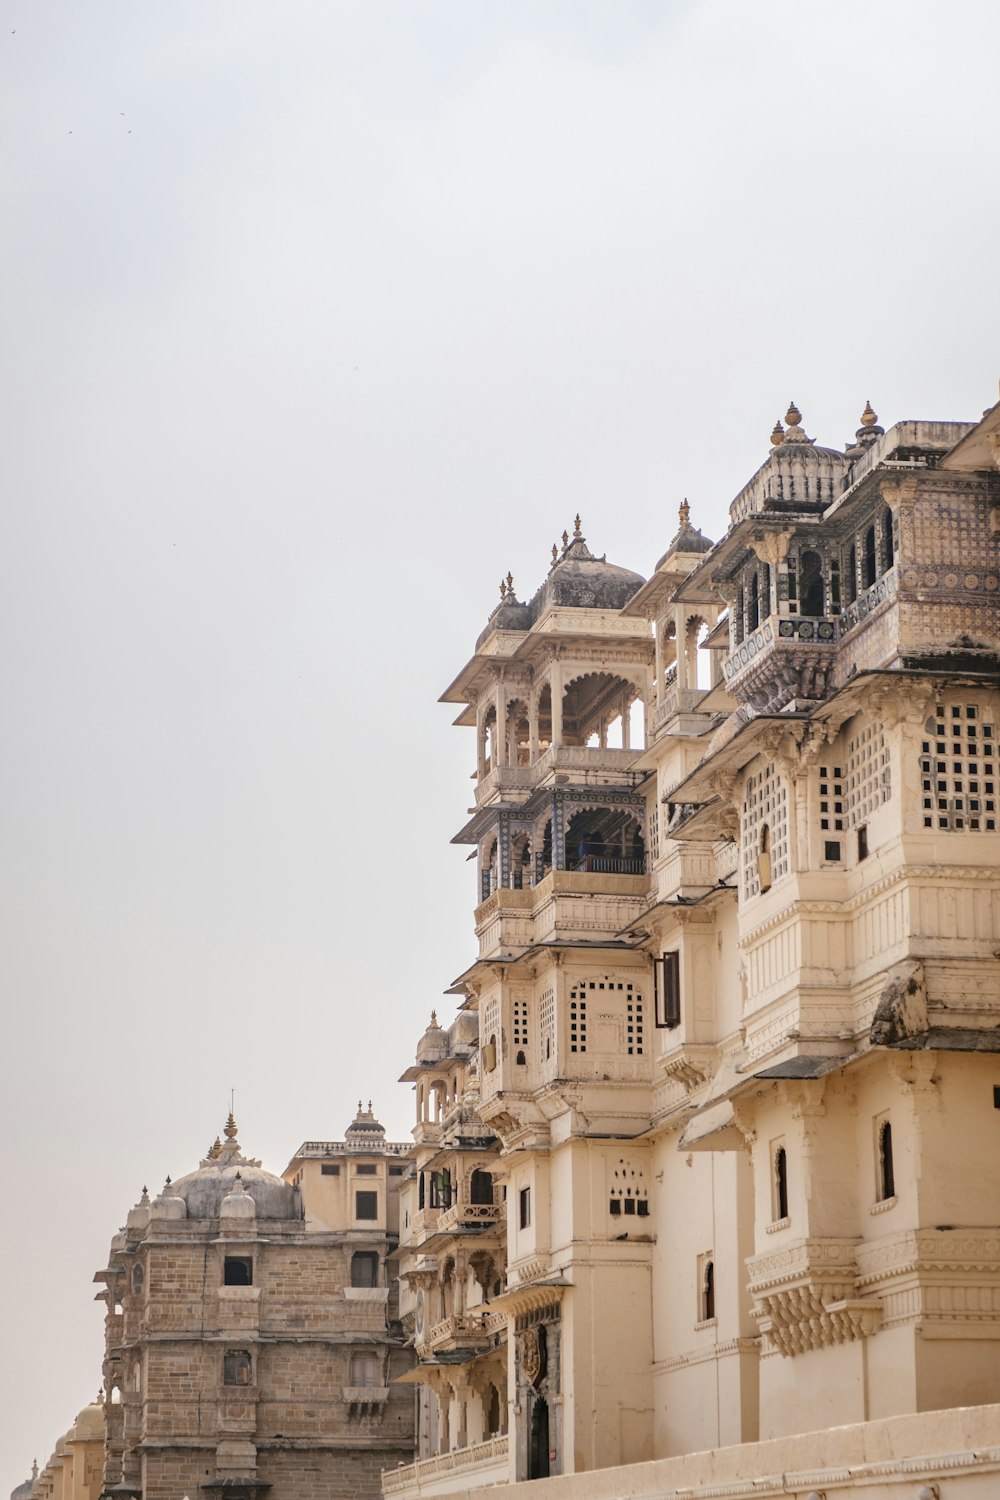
x,y
780,1184
886,1173
888,542
364,1268
811,585
138,1279
870,563
753,602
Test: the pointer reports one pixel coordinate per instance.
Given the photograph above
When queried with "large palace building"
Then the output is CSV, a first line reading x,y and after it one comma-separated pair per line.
x,y
703,1198
706,1164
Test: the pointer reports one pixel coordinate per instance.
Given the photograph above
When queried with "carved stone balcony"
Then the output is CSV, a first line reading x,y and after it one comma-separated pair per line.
x,y
785,658
805,1296
471,1215
478,1467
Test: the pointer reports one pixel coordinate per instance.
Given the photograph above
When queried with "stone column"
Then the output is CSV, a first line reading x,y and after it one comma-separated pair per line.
x,y
658,646
533,728
556,689
626,721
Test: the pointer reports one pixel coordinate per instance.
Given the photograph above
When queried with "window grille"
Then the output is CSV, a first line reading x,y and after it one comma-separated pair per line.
x,y
958,767
765,805
868,776
520,1023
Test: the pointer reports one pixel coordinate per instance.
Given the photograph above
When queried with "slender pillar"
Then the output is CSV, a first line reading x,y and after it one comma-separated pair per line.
x,y
658,644
556,689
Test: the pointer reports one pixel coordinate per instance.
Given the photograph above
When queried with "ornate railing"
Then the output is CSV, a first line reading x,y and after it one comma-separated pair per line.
x,y
883,588
470,1213
482,1455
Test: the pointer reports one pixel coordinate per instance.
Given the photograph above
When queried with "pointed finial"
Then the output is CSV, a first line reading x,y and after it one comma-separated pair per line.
x,y
167,1183
359,1106
555,554
510,583
565,542
369,1106
503,589
434,1017
230,1130
145,1194
777,436
868,416
576,527
684,512
793,416
34,1462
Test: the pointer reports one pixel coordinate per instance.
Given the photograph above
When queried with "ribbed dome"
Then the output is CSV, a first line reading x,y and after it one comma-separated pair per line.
x,y
203,1191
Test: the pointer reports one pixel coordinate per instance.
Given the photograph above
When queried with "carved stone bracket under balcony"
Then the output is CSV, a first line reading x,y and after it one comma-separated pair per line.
x,y
805,1296
782,659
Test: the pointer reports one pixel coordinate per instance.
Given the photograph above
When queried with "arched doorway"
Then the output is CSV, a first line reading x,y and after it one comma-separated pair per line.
x,y
538,1440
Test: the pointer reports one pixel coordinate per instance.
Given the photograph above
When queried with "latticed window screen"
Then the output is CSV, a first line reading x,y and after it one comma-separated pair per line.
x,y
520,1023
868,783
602,990
547,1024
578,1021
765,803
831,798
958,766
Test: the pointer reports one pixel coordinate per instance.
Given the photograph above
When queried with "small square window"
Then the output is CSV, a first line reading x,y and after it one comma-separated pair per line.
x,y
831,850
237,1270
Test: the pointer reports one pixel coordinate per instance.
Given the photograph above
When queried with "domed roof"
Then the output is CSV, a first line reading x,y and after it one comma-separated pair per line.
x,y
433,1045
203,1191
364,1129
792,442
89,1424
24,1490
687,538
509,614
582,581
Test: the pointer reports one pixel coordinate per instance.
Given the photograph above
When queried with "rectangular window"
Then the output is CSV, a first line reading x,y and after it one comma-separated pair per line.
x,y
862,842
366,1169
667,972
237,1367
365,1205
396,1171
327,1170
237,1270
524,1207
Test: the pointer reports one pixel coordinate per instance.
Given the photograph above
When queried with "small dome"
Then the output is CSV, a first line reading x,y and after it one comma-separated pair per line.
x,y
686,539
203,1191
583,581
89,1425
464,1030
238,1203
433,1045
365,1129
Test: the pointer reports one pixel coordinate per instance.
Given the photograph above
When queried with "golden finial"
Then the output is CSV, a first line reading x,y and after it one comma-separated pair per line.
x,y
684,512
777,436
793,416
510,583
576,527
868,417
230,1130
503,589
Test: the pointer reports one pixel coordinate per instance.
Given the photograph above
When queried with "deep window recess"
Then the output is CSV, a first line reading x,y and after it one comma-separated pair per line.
x,y
237,1270
886,1174
364,1268
138,1277
365,1205
667,973
481,1188
524,1207
396,1171
237,1367
708,1290
780,1184
327,1170
958,766
366,1169
862,842
870,558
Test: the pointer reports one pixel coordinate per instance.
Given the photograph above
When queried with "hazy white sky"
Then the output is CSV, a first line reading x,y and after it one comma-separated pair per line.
x,y
317,318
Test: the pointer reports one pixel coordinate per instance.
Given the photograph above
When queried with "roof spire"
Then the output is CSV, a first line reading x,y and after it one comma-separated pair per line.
x,y
577,533
230,1128
684,512
777,436
565,542
868,417
503,589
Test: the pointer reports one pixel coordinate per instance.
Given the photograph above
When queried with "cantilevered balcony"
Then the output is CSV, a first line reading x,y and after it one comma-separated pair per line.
x,y
785,658
587,763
